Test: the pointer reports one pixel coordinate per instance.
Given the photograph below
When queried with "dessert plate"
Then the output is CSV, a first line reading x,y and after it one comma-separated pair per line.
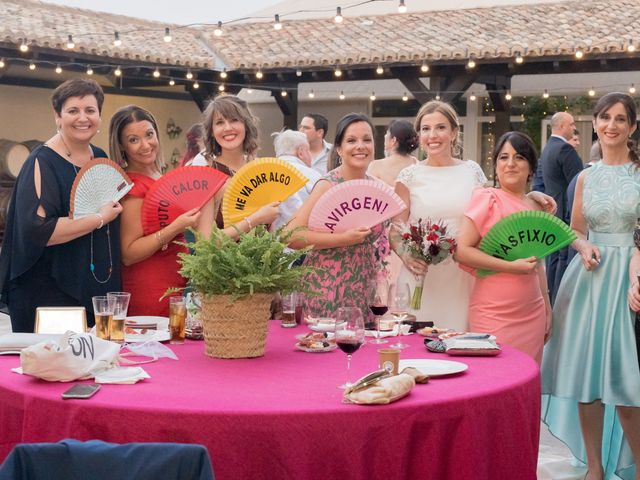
x,y
433,368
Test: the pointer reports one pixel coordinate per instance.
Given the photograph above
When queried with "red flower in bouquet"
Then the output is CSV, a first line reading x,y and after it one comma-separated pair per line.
x,y
426,240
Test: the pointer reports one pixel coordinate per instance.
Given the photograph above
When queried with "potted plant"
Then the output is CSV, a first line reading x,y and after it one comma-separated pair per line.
x,y
236,280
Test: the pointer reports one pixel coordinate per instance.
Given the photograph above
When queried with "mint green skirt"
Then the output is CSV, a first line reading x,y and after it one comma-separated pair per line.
x,y
592,353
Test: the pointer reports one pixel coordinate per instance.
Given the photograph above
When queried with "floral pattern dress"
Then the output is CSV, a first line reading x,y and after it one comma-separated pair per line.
x,y
342,277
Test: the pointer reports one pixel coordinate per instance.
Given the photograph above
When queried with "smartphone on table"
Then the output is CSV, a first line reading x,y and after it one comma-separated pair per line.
x,y
81,390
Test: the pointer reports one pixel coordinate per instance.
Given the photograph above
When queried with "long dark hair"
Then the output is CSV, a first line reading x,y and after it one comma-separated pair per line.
x,y
609,100
334,159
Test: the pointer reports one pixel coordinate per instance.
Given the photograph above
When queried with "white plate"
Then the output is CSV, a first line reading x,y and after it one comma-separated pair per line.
x,y
433,368
161,322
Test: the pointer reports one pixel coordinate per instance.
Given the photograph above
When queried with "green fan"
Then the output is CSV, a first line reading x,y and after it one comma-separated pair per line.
x,y
525,234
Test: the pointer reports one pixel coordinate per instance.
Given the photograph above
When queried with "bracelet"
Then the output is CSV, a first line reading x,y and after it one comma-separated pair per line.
x,y
101,221
246,219
160,240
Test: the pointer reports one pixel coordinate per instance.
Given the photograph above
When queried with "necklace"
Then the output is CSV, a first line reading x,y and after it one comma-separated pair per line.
x,y
92,266
68,150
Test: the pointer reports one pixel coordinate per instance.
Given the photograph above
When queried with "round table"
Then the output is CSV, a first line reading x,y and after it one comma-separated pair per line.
x,y
280,416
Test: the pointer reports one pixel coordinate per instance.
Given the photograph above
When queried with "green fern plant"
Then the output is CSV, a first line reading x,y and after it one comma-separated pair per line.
x,y
258,262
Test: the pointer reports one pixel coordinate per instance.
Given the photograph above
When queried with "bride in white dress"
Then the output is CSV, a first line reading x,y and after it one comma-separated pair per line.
x,y
439,189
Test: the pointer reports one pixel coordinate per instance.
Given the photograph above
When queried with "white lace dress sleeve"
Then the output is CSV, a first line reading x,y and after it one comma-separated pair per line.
x,y
479,176
406,175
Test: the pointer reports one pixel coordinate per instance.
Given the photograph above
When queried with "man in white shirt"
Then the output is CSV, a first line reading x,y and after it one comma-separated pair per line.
x,y
292,147
315,126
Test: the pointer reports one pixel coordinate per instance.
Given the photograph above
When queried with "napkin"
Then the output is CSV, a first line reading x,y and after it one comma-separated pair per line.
x,y
121,375
462,345
385,391
12,343
389,333
417,375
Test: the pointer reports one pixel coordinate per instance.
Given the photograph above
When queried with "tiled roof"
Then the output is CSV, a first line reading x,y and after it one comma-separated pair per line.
x,y
549,29
48,25
535,30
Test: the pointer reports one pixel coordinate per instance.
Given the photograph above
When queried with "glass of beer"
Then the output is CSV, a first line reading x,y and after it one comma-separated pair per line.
x,y
103,307
289,311
177,319
116,330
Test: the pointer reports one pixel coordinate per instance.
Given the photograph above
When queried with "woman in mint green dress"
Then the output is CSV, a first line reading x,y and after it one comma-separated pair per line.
x,y
590,376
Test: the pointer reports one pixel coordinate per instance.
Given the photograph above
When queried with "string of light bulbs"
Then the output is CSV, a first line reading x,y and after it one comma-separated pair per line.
x,y
191,78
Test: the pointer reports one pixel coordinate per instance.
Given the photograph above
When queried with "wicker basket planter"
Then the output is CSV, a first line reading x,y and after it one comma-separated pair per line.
x,y
235,329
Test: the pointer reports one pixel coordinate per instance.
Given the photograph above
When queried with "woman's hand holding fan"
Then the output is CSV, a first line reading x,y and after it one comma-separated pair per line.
x,y
109,211
523,266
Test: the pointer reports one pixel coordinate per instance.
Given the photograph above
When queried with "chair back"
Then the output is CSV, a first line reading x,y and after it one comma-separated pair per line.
x,y
97,460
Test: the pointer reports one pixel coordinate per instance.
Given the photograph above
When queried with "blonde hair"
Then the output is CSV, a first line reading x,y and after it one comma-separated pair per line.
x,y
450,114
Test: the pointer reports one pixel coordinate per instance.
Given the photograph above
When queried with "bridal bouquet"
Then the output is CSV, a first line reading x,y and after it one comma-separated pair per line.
x,y
426,240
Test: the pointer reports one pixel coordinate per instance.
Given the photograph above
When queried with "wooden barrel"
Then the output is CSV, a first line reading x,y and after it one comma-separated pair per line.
x,y
32,144
5,201
12,156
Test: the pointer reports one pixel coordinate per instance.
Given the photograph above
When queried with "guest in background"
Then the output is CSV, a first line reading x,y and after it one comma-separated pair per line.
x,y
400,141
344,263
316,127
150,261
195,145
231,140
574,141
293,148
49,259
559,163
590,377
522,318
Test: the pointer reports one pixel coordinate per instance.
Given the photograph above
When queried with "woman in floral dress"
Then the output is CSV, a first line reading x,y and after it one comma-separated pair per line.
x,y
344,264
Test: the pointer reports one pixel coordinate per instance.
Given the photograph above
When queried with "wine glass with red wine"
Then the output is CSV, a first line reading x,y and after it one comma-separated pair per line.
x,y
349,334
378,297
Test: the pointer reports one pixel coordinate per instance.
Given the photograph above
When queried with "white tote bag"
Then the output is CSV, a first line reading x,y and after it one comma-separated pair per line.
x,y
73,356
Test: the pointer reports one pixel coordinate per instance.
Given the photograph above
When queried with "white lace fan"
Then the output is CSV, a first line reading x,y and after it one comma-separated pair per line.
x,y
354,204
98,182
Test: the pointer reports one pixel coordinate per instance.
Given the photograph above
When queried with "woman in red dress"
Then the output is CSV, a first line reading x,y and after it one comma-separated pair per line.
x,y
149,261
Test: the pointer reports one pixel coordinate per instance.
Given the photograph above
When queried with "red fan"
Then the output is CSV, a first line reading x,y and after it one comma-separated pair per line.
x,y
176,192
353,204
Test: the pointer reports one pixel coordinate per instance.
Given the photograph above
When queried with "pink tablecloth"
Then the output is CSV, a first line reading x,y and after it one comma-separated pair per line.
x,y
280,416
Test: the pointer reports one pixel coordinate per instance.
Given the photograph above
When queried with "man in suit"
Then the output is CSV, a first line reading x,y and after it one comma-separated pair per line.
x,y
559,162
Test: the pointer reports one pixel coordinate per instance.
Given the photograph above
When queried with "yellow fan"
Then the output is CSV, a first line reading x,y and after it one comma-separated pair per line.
x,y
258,183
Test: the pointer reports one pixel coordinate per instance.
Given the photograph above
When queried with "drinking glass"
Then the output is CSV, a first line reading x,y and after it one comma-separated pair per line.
x,y
349,334
289,310
399,309
103,307
116,329
378,296
177,319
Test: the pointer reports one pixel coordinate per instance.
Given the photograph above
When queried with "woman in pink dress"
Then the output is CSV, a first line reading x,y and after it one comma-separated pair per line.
x,y
512,304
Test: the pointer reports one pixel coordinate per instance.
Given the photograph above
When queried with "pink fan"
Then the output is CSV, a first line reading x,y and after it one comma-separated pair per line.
x,y
354,204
